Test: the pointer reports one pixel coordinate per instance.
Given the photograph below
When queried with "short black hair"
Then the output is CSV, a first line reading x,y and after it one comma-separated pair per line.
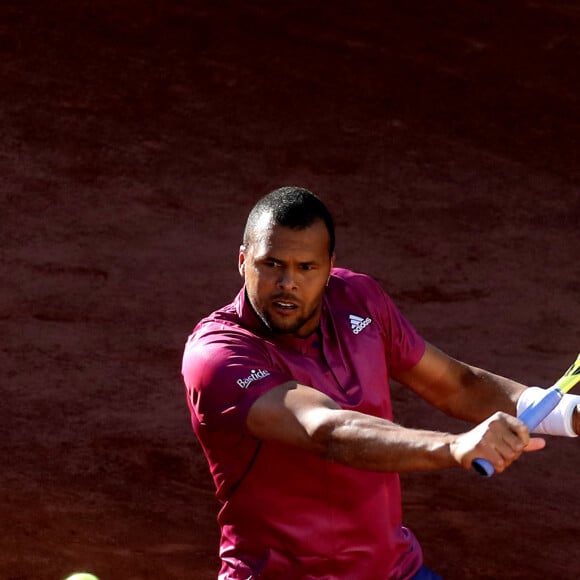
x,y
291,207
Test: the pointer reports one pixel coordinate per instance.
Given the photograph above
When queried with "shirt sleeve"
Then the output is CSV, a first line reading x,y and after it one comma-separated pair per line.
x,y
224,375
404,346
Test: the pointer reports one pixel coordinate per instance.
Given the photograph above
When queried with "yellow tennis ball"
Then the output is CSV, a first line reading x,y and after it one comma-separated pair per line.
x,y
82,576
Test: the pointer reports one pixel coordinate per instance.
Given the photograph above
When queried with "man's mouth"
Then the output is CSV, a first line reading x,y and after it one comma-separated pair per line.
x,y
285,305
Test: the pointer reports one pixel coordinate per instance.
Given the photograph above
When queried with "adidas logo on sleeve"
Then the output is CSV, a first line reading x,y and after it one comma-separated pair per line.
x,y
358,324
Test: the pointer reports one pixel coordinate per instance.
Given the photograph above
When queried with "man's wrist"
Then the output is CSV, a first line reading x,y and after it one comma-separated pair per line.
x,y
563,421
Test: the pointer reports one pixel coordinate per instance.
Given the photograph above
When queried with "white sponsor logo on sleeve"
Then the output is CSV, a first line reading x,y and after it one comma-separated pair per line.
x,y
254,376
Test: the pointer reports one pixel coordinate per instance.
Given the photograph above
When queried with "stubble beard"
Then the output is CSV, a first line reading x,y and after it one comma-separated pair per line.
x,y
290,328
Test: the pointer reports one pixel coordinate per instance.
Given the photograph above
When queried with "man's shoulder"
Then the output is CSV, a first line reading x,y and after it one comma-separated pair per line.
x,y
219,348
222,326
352,276
350,290
346,280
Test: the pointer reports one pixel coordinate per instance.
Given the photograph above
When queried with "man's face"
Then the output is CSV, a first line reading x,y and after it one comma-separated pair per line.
x,y
285,272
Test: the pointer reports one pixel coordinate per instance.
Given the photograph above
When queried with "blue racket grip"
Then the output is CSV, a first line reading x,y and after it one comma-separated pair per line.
x,y
483,467
537,412
532,417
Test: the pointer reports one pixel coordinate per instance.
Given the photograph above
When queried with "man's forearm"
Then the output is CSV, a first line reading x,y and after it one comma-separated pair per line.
x,y
374,444
483,393
458,389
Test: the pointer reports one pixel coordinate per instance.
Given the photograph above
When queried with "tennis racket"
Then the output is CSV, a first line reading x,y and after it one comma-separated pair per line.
x,y
539,410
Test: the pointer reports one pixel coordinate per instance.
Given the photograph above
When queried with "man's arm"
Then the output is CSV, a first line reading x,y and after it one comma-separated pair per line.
x,y
458,389
464,391
299,415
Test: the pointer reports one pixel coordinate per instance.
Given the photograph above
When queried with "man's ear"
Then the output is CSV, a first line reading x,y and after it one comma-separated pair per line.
x,y
242,260
331,267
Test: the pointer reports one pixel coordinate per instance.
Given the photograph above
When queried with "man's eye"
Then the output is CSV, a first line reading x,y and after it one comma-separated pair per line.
x,y
306,267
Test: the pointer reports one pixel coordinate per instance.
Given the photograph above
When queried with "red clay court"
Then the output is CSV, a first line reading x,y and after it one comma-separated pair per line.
x,y
135,138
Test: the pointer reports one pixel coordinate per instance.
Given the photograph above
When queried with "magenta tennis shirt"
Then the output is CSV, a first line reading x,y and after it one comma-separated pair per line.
x,y
287,513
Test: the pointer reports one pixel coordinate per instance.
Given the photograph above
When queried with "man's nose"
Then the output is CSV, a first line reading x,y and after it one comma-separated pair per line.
x,y
287,278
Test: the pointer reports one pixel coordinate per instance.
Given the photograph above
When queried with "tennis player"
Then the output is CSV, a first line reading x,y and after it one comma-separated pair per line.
x,y
288,389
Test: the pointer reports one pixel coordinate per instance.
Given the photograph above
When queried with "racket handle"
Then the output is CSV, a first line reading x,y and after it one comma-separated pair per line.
x,y
483,467
532,417
537,412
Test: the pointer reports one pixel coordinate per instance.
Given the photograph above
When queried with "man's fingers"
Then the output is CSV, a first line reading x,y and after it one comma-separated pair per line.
x,y
520,438
501,440
535,444
510,452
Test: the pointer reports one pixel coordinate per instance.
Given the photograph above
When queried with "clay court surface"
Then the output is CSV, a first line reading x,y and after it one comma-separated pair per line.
x,y
136,135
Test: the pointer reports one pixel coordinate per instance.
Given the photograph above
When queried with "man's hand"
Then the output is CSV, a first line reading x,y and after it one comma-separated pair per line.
x,y
500,439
